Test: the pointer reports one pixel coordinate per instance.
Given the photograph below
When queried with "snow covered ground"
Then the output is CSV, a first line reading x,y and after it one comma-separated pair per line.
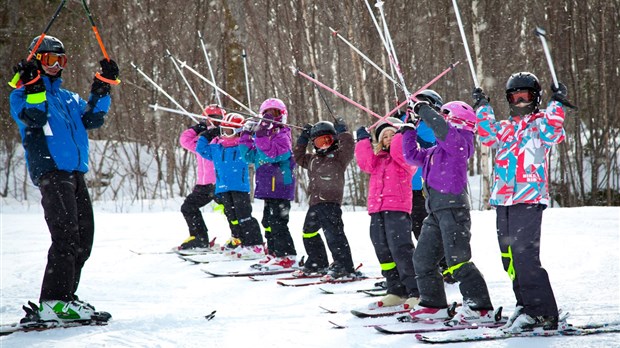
x,y
160,300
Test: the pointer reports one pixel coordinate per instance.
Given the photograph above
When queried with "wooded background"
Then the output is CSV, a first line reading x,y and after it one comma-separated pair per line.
x,y
584,38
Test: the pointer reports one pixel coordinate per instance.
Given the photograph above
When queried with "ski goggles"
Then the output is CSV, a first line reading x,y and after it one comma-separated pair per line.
x,y
228,131
521,96
50,59
272,114
323,142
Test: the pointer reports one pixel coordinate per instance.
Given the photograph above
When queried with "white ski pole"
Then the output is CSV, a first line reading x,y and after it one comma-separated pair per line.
x,y
471,63
176,66
212,84
204,50
247,82
540,32
156,107
388,76
392,51
158,87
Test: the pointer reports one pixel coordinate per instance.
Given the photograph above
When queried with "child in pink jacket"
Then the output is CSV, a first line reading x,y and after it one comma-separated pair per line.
x,y
204,190
389,206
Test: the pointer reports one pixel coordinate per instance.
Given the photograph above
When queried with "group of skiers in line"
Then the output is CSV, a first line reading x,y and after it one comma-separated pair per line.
x,y
416,161
418,167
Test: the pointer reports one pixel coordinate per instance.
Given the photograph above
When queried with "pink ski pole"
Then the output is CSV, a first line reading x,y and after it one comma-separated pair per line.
x,y
412,97
350,101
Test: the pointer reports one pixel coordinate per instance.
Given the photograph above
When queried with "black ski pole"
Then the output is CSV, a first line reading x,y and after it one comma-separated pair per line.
x,y
13,83
323,98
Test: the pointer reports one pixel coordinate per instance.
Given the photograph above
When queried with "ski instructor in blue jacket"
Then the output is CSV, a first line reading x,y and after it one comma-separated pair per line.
x,y
53,124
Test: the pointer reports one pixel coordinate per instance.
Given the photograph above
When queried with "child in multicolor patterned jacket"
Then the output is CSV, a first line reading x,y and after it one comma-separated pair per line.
x,y
268,145
520,191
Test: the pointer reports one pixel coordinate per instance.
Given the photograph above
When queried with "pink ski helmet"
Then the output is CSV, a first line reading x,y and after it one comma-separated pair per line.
x,y
274,103
460,115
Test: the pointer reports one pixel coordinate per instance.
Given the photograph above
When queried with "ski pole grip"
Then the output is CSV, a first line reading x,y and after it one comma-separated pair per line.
x,y
14,80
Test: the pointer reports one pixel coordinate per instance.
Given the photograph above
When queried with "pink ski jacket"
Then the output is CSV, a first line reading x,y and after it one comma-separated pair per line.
x,y
390,176
205,170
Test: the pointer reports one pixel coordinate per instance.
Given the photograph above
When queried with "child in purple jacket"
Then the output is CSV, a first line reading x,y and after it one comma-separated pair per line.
x,y
269,149
446,230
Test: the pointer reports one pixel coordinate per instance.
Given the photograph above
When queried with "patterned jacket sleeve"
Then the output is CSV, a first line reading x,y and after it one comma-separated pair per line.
x,y
551,128
488,128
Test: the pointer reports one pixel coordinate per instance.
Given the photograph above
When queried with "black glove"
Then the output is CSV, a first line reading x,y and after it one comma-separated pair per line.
x,y
109,69
28,71
362,133
199,127
418,105
304,137
480,99
210,133
340,126
560,93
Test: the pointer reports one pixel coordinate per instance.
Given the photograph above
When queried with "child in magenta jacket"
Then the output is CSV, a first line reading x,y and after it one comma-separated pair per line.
x,y
204,190
389,206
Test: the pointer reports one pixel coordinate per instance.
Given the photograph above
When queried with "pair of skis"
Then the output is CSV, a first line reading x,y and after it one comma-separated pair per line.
x,y
490,335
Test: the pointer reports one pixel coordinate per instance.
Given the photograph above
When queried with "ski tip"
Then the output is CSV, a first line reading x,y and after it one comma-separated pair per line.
x,y
210,315
540,31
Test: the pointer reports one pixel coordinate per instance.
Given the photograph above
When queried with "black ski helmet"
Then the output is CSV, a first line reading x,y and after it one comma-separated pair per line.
x,y
432,97
49,44
523,81
323,128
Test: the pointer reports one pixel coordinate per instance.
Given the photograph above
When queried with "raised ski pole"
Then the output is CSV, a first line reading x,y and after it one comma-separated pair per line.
x,y
340,95
105,53
384,42
178,69
188,114
247,82
159,88
204,50
471,63
412,97
323,99
212,84
388,76
262,119
390,45
541,33
15,80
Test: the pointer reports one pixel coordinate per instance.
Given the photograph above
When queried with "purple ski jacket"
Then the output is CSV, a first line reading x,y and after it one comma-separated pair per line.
x,y
271,155
445,164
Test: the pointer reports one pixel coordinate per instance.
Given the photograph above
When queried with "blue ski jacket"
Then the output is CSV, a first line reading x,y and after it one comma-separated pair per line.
x,y
53,127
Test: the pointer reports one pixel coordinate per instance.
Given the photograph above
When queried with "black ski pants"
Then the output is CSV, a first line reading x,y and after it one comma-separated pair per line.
x,y
275,221
518,232
69,216
447,232
200,196
390,233
238,211
326,216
